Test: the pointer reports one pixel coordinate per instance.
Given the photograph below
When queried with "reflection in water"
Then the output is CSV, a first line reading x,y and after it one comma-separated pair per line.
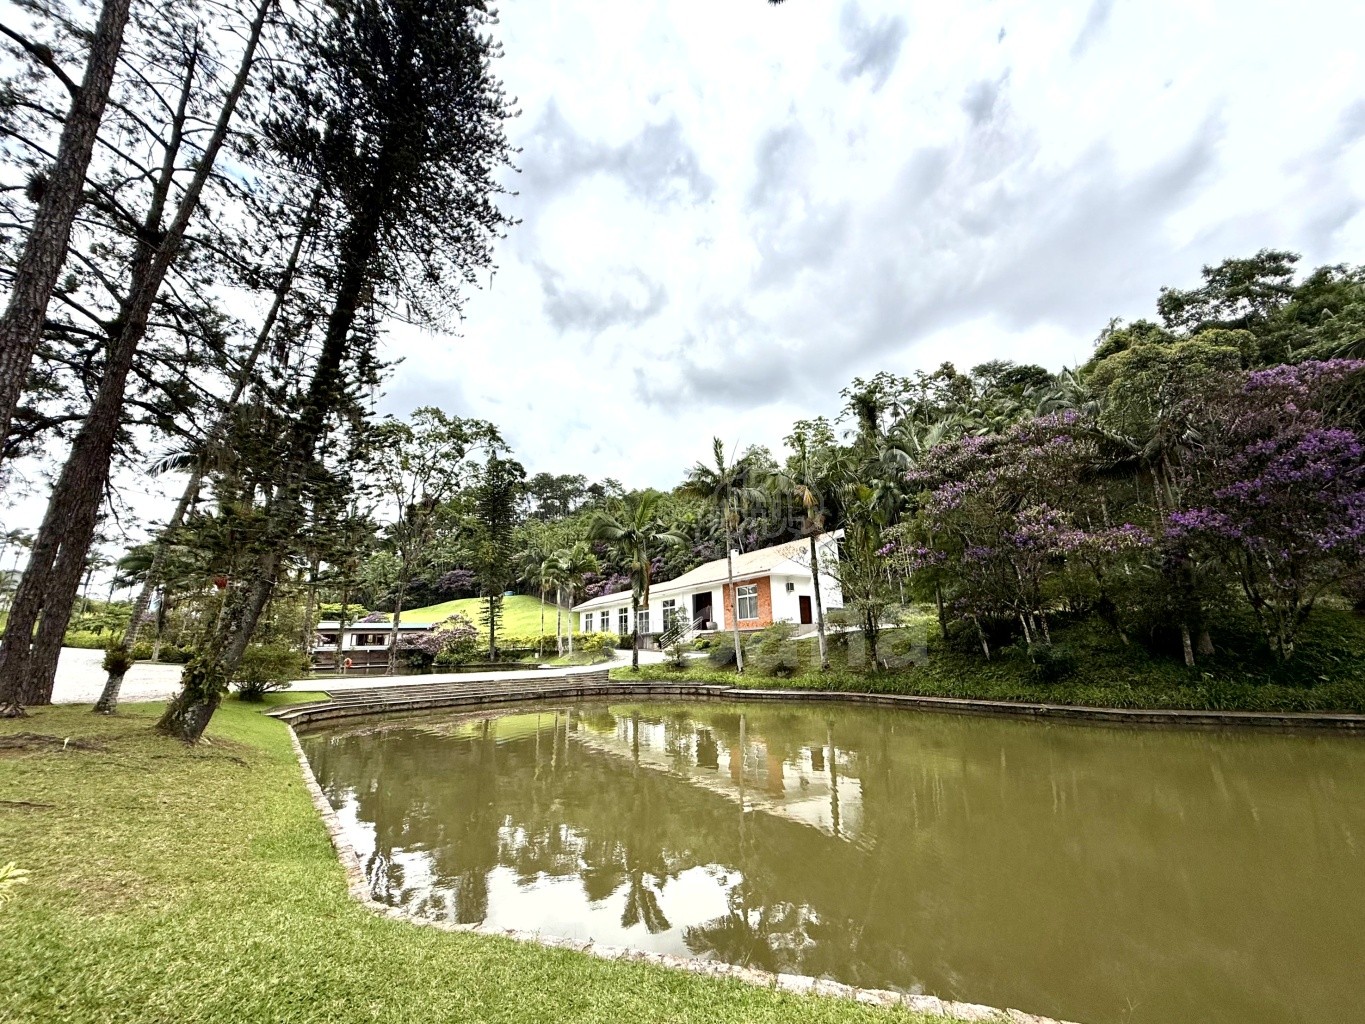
x,y
1095,874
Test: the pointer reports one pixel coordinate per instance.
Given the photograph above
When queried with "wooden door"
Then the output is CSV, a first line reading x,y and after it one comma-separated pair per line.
x,y
806,617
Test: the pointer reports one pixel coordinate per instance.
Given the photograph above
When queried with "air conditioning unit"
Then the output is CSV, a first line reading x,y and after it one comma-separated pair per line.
x,y
791,588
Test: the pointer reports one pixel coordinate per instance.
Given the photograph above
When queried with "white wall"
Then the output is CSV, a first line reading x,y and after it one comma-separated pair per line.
x,y
785,606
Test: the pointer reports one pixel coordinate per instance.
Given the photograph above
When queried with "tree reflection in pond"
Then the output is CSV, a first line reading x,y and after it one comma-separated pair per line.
x,y
1089,873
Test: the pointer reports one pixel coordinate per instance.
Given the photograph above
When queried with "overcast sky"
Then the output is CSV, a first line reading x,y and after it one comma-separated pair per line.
x,y
729,209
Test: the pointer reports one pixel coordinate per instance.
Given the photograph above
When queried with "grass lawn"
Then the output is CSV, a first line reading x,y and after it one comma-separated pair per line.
x,y
520,614
174,884
1327,673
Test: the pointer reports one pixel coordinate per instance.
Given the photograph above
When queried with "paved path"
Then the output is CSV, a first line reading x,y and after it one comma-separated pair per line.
x,y
80,678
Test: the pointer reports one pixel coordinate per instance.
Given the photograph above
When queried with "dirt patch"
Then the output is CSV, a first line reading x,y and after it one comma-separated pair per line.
x,y
34,741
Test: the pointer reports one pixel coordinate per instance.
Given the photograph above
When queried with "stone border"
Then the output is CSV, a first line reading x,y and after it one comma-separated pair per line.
x,y
563,689
798,984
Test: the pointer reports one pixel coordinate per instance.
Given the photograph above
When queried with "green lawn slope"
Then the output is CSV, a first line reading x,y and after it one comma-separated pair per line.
x,y
520,614
172,884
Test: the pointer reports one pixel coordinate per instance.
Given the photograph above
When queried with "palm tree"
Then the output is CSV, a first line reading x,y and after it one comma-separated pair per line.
x,y
809,480
570,566
531,571
729,487
635,531
551,579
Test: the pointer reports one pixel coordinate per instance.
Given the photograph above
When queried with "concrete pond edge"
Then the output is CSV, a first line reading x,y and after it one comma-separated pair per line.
x,y
564,687
798,984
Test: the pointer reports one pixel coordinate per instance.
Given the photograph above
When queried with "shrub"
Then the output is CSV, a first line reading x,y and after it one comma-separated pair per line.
x,y
1052,662
596,643
142,650
772,652
332,610
85,639
1354,592
721,656
455,639
266,667
677,657
173,655
625,642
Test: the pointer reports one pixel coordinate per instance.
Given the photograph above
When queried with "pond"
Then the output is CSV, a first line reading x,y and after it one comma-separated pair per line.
x,y
1096,874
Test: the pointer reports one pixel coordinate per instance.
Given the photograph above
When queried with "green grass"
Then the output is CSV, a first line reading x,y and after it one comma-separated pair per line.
x,y
520,614
1327,674
172,884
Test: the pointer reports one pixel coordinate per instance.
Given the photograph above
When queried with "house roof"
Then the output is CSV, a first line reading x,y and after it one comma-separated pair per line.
x,y
371,627
747,565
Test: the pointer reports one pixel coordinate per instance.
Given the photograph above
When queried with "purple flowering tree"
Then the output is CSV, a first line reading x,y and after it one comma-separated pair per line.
x,y
1289,517
454,640
1286,508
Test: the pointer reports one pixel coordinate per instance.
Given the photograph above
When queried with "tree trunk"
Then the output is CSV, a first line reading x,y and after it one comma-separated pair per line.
x,y
40,264
393,629
540,641
339,661
819,606
559,622
108,702
206,678
942,615
76,497
310,605
734,598
981,635
48,589
1205,646
1185,644
635,647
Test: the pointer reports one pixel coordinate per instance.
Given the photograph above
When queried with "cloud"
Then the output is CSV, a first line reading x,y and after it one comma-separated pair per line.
x,y
873,48
656,163
1095,21
980,100
630,300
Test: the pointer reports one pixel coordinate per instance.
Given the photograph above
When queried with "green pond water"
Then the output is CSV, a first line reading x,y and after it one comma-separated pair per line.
x,y
1089,873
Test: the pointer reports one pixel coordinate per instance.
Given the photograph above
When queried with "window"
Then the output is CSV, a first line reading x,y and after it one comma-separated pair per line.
x,y
623,621
642,621
670,614
587,622
747,603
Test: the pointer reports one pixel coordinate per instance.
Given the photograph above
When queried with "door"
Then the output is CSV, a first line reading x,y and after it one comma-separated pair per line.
x,y
701,608
806,617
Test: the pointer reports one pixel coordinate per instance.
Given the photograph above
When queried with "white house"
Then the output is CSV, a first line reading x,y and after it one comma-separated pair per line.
x,y
364,645
771,585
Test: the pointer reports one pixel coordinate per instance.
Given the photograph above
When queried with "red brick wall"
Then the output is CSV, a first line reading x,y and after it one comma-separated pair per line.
x,y
765,602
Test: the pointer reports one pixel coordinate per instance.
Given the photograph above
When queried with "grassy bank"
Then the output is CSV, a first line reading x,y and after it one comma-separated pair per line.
x,y
520,614
172,884
1093,669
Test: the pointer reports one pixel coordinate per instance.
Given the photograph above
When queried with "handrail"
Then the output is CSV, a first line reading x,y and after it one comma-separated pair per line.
x,y
681,631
